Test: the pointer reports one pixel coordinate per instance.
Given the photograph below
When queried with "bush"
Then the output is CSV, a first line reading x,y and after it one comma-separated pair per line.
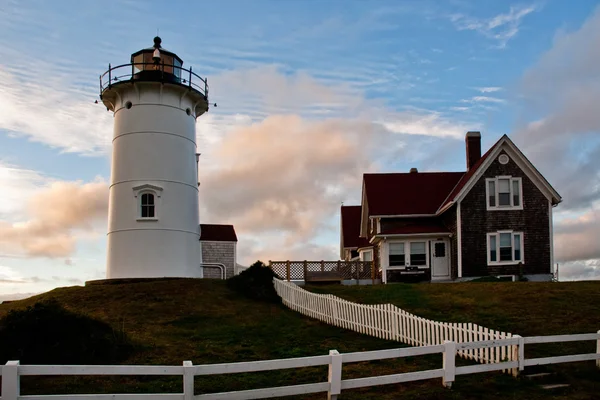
x,y
256,282
47,333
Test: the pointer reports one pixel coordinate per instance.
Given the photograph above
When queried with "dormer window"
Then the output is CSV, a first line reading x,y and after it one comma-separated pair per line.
x,y
504,192
147,199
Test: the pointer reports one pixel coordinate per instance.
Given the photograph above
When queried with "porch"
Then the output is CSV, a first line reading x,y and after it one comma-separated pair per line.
x,y
344,272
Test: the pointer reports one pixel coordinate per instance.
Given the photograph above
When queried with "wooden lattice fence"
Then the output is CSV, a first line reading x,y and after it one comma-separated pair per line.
x,y
295,270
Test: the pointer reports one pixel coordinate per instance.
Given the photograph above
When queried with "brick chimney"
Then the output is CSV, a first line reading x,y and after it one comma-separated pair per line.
x,y
473,145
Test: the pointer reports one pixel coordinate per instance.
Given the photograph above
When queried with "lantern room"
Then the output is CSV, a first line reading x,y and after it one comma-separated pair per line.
x,y
157,59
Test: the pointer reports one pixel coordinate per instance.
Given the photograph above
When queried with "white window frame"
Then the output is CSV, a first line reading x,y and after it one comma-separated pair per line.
x,y
147,189
407,254
362,255
512,243
498,206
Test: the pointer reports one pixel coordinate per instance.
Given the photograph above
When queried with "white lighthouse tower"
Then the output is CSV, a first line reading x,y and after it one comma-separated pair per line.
x,y
153,222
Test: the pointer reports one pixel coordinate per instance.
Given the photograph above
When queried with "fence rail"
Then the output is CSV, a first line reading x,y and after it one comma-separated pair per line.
x,y
12,371
387,321
296,270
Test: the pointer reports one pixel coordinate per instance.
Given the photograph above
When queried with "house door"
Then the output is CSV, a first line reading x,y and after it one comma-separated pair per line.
x,y
440,259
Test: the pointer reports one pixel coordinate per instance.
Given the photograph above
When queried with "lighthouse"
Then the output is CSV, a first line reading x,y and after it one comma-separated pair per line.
x,y
153,221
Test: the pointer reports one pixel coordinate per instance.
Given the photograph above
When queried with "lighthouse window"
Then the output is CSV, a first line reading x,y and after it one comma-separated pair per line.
x,y
147,205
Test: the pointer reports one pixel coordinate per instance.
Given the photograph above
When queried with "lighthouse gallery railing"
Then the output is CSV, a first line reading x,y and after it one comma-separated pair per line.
x,y
165,72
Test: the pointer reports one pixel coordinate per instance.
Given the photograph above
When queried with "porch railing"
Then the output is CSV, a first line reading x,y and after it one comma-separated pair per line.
x,y
347,270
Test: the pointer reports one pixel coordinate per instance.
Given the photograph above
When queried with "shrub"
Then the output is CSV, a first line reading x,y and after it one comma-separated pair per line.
x,y
256,282
47,333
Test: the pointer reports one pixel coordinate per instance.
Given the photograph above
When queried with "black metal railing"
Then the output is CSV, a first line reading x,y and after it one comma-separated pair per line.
x,y
151,71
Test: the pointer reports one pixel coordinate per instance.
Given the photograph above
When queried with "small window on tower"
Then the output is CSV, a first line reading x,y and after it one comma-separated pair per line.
x,y
147,205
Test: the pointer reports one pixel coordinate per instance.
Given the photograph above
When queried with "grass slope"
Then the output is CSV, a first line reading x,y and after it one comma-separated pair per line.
x,y
203,321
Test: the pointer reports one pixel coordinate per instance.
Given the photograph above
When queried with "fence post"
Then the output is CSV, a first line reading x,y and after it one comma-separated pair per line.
x,y
188,380
373,271
11,385
287,270
449,363
598,350
322,266
304,269
518,354
335,375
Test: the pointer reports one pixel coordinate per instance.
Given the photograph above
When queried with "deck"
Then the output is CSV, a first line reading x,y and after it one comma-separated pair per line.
x,y
323,276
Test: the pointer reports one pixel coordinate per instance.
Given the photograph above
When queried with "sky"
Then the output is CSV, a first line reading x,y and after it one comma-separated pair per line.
x,y
310,95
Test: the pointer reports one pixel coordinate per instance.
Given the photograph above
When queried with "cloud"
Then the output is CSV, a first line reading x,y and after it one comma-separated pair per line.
x,y
295,148
15,296
576,239
293,184
501,28
579,270
483,99
49,110
562,139
9,275
54,213
488,89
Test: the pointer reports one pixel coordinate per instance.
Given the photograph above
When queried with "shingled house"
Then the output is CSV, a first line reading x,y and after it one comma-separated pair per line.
x,y
494,219
219,247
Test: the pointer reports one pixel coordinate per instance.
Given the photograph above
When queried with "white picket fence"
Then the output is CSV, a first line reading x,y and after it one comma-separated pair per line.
x,y
386,321
12,371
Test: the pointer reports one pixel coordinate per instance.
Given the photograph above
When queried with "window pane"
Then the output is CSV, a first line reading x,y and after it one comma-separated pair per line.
x,y
418,259
515,193
517,247
504,199
505,240
492,193
503,186
506,247
493,256
151,211
505,253
367,256
417,248
396,248
439,250
144,211
396,260
418,254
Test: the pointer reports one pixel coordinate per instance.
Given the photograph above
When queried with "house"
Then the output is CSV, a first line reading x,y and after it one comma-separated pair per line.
x,y
219,250
494,219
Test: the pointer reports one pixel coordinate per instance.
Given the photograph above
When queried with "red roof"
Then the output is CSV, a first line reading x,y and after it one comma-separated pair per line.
x,y
413,193
417,226
217,233
351,227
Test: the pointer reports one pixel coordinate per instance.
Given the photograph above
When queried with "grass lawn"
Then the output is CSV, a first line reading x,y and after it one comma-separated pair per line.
x,y
203,321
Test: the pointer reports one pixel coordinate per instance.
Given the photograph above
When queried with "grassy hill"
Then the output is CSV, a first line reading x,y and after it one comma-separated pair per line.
x,y
203,321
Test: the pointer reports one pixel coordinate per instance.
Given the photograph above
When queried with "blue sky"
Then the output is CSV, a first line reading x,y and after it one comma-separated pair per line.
x,y
310,95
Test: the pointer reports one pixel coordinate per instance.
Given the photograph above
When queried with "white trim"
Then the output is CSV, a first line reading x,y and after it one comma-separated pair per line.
x,y
361,254
525,165
458,240
146,187
403,235
402,215
551,232
378,225
498,207
407,253
512,244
